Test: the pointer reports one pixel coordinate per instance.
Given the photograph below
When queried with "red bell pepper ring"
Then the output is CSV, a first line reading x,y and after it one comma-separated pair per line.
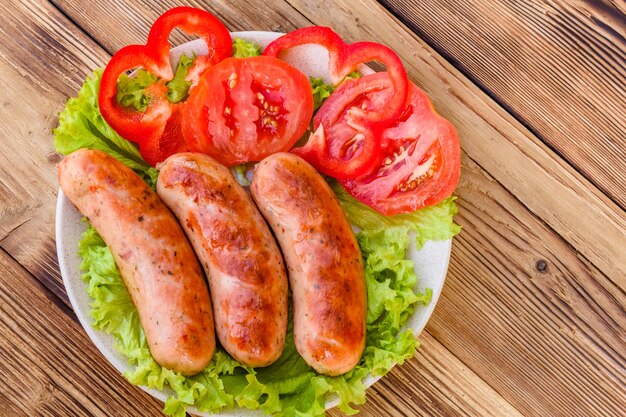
x,y
346,141
157,130
344,59
341,147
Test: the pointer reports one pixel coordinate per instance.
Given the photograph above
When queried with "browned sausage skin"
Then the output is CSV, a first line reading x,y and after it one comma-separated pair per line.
x,y
239,254
152,253
323,260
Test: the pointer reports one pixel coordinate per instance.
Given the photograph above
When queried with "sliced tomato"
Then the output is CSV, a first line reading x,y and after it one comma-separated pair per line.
x,y
419,162
244,109
154,130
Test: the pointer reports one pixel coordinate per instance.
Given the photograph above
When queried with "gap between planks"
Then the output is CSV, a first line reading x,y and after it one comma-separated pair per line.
x,y
72,21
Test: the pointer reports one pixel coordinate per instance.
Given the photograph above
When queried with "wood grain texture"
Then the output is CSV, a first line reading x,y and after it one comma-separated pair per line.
x,y
531,319
48,365
103,19
531,308
558,66
43,61
426,386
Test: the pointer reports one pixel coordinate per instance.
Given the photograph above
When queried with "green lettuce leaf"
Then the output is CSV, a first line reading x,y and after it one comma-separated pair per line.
x,y
82,126
322,90
239,172
178,87
131,90
353,74
430,223
244,49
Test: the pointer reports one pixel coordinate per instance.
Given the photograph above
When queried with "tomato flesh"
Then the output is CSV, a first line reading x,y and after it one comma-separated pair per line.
x,y
419,161
244,109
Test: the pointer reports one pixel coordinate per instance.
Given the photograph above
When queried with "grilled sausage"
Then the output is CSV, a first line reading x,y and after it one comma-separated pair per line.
x,y
239,254
154,257
323,261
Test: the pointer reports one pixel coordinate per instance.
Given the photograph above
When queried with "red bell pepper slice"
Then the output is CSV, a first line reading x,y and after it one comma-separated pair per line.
x,y
347,139
157,130
344,59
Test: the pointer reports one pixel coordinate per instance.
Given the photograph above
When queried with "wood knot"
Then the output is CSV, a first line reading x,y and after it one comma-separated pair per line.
x,y
54,157
542,266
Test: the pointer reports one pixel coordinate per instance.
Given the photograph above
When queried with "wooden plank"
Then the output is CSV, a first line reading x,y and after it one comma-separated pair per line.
x,y
433,383
520,304
44,60
558,66
49,366
103,19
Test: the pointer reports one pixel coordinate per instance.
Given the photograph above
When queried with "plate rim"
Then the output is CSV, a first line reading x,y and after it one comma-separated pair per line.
x,y
85,320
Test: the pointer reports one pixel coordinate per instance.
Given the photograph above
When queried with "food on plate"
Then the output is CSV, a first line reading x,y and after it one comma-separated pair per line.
x,y
156,129
242,262
246,109
154,257
379,134
346,142
420,157
372,136
323,261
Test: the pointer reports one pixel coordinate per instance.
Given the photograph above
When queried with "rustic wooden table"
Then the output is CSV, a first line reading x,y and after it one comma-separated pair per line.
x,y
532,318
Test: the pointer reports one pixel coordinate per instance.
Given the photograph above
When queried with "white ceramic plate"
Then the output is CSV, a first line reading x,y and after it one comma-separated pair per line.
x,y
431,262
